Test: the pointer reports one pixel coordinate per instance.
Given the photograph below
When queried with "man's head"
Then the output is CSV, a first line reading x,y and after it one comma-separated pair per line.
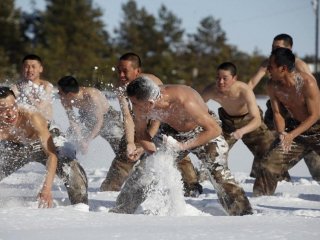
x,y
8,107
142,90
281,61
68,84
226,76
129,68
282,40
32,67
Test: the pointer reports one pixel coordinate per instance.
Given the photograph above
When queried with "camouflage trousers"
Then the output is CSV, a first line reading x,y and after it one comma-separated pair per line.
x,y
257,141
214,157
120,169
113,132
276,161
312,159
15,155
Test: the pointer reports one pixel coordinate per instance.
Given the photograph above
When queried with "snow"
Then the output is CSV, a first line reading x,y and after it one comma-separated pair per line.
x,y
292,213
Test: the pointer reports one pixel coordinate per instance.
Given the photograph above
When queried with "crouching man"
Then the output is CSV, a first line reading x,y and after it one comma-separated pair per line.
x,y
194,130
24,137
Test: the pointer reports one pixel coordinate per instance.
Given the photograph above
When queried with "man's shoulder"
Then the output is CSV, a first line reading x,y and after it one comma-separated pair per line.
x,y
46,83
152,77
308,79
242,87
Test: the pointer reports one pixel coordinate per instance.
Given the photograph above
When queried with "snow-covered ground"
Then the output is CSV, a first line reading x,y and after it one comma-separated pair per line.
x,y
292,213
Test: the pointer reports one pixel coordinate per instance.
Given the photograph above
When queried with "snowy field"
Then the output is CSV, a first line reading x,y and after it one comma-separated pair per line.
x,y
292,213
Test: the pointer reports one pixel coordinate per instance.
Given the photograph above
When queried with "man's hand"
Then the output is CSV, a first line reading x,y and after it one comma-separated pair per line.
x,y
45,198
286,141
238,134
134,153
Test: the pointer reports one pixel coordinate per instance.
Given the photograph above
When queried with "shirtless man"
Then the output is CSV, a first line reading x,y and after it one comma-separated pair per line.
x,y
193,129
285,41
129,68
311,159
37,94
24,137
33,91
299,130
239,113
96,116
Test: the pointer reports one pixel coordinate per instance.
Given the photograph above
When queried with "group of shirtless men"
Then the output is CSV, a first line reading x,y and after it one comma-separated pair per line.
x,y
154,114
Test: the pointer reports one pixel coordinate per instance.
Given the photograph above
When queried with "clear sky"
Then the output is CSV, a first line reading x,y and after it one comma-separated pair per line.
x,y
249,24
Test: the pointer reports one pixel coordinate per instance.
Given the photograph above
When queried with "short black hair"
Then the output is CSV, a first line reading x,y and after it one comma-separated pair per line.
x,y
132,57
5,92
228,66
284,57
69,84
32,57
286,38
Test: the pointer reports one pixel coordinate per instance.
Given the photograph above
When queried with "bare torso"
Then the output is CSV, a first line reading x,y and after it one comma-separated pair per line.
x,y
90,100
233,101
22,131
293,97
37,94
173,109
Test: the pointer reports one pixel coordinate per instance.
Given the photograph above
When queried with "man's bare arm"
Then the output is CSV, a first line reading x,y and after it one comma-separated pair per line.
x,y
71,117
253,111
278,119
256,78
211,129
99,116
142,133
40,126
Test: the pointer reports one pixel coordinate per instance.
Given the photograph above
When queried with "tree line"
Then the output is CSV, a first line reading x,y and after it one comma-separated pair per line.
x,y
71,38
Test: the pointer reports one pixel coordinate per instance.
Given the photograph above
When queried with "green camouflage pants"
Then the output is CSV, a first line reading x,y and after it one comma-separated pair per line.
x,y
113,132
257,141
276,161
121,167
214,157
312,159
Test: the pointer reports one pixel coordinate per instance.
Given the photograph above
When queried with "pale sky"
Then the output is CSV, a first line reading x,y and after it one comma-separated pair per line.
x,y
249,24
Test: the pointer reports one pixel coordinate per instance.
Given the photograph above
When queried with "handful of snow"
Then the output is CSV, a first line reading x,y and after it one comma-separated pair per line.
x,y
171,143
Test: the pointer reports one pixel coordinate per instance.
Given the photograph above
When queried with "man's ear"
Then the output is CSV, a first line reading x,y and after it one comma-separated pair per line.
x,y
284,68
151,102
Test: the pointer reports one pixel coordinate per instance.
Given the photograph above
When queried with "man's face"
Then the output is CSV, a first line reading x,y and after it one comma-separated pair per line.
x,y
70,96
279,44
224,80
31,70
141,105
127,73
8,111
276,72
